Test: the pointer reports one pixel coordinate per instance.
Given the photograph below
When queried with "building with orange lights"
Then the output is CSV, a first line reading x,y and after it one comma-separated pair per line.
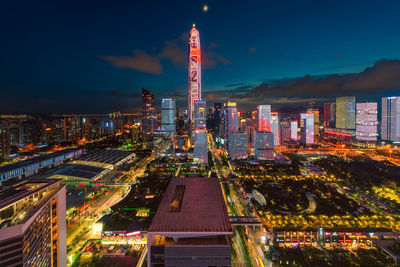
x,y
33,224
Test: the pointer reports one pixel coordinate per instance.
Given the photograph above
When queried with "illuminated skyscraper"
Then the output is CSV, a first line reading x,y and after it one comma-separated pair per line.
x,y
200,108
264,118
390,129
346,112
200,138
313,109
329,114
293,130
194,70
367,122
275,128
168,111
232,117
307,129
149,113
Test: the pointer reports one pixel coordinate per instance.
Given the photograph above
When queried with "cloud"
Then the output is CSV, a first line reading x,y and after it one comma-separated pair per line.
x,y
383,76
173,52
141,61
381,79
234,84
252,49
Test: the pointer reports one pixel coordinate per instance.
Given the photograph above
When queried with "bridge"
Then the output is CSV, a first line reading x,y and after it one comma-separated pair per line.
x,y
245,221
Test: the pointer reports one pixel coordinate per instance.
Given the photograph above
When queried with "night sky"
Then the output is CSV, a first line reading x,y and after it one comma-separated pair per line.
x,y
95,56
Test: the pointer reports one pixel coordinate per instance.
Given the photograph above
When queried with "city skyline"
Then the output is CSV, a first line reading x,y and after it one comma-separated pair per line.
x,y
111,76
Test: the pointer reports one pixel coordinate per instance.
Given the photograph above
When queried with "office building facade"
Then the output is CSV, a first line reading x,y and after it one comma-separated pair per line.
x,y
148,113
264,145
237,146
275,129
346,112
168,112
200,109
293,130
307,128
264,118
33,231
390,119
367,122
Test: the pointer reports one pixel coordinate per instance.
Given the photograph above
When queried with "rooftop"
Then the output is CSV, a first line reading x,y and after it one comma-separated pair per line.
x,y
192,205
24,163
26,197
107,156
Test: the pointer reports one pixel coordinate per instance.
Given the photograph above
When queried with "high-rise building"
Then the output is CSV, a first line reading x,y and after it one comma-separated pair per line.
x,y
199,115
346,112
264,118
232,117
168,113
191,226
293,130
33,224
264,145
200,153
149,113
330,115
307,128
313,109
390,128
275,128
194,70
4,142
237,146
250,130
285,131
367,122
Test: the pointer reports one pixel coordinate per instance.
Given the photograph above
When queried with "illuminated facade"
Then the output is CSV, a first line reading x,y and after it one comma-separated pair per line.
x,y
346,112
330,115
200,109
200,146
168,111
307,128
149,113
194,70
390,128
315,113
293,130
264,118
367,122
237,147
285,131
4,142
33,231
275,128
264,146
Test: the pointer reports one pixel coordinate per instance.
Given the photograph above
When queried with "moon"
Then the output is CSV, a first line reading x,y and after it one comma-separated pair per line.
x,y
205,8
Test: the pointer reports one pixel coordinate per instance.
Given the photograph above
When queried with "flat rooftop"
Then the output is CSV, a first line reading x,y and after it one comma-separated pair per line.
x,y
81,171
192,205
23,190
107,156
24,163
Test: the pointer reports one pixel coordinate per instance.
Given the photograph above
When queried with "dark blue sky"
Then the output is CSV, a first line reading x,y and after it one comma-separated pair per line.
x,y
95,56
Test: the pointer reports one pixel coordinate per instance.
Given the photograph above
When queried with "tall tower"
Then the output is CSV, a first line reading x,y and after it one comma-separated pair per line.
x,y
194,70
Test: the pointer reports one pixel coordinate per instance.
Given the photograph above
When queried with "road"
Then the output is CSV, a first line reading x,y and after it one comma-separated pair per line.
x,y
115,195
253,245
